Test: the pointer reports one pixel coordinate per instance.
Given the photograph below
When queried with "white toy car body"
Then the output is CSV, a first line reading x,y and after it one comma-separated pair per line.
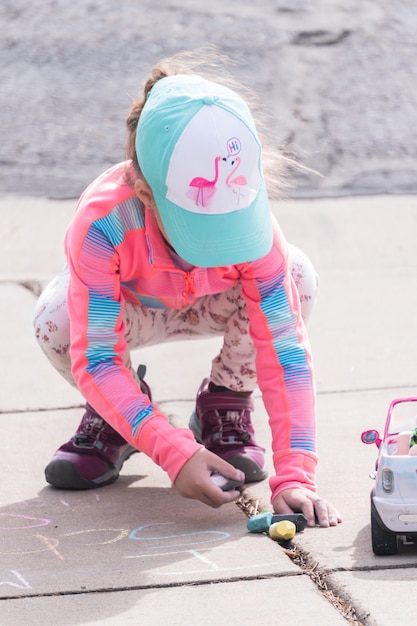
x,y
394,497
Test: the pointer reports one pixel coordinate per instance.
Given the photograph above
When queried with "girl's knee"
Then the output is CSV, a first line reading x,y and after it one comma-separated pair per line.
x,y
306,280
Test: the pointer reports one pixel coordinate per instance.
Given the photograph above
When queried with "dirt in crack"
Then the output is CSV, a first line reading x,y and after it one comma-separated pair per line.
x,y
251,506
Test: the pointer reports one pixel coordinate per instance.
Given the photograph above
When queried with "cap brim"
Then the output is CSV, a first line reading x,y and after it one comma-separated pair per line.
x,y
216,240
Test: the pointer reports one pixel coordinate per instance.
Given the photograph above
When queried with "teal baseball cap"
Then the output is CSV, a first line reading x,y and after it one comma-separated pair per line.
x,y
199,151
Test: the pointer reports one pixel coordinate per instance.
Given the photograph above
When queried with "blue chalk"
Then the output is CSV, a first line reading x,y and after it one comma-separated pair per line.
x,y
260,523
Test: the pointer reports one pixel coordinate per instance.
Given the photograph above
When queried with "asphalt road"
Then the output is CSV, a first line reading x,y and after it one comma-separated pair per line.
x,y
338,79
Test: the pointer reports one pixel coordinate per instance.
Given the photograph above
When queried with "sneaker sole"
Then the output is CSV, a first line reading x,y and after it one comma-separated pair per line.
x,y
253,472
63,474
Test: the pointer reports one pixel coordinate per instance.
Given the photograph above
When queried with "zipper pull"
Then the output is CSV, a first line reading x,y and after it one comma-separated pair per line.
x,y
188,292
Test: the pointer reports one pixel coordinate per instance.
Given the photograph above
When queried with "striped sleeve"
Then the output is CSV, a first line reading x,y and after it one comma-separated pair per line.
x,y
98,345
284,369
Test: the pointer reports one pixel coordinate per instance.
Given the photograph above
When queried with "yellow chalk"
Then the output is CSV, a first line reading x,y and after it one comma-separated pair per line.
x,y
282,531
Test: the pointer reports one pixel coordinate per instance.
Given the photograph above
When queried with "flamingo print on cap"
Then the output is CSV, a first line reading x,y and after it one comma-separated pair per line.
x,y
238,182
204,189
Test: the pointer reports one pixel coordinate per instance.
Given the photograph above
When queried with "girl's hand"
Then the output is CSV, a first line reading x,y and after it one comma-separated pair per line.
x,y
193,480
301,500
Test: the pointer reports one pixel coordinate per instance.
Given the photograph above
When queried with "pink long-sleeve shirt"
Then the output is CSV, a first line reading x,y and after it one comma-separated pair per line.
x,y
116,253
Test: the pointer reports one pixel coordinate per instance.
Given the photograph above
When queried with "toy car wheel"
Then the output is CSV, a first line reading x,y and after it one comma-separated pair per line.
x,y
384,542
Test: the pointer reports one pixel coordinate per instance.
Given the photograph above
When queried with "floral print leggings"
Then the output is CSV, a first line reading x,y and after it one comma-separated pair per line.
x,y
221,314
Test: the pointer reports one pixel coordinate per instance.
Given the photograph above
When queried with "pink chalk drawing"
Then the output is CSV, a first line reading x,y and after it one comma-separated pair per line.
x,y
204,189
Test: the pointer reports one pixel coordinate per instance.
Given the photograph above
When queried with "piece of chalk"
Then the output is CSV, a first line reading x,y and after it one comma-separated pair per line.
x,y
282,531
298,519
260,523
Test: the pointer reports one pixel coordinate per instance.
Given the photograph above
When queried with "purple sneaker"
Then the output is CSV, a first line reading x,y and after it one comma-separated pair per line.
x,y
94,455
221,422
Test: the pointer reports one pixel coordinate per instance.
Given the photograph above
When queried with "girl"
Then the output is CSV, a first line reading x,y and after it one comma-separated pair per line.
x,y
179,242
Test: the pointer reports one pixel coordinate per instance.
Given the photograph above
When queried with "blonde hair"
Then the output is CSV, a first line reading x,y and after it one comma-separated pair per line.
x,y
209,63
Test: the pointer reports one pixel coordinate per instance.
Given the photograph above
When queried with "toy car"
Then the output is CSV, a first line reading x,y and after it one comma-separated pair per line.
x,y
394,497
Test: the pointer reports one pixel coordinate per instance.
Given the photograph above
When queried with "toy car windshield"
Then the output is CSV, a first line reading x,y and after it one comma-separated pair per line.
x,y
402,416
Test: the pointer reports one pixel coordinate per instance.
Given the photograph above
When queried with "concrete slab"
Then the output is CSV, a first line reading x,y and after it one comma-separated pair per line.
x,y
136,533
233,603
126,536
33,234
363,250
384,596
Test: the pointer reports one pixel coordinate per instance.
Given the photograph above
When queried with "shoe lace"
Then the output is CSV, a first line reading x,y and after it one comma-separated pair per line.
x,y
232,426
92,429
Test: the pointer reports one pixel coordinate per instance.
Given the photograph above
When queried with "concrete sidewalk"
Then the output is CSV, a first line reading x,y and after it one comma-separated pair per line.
x,y
136,552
